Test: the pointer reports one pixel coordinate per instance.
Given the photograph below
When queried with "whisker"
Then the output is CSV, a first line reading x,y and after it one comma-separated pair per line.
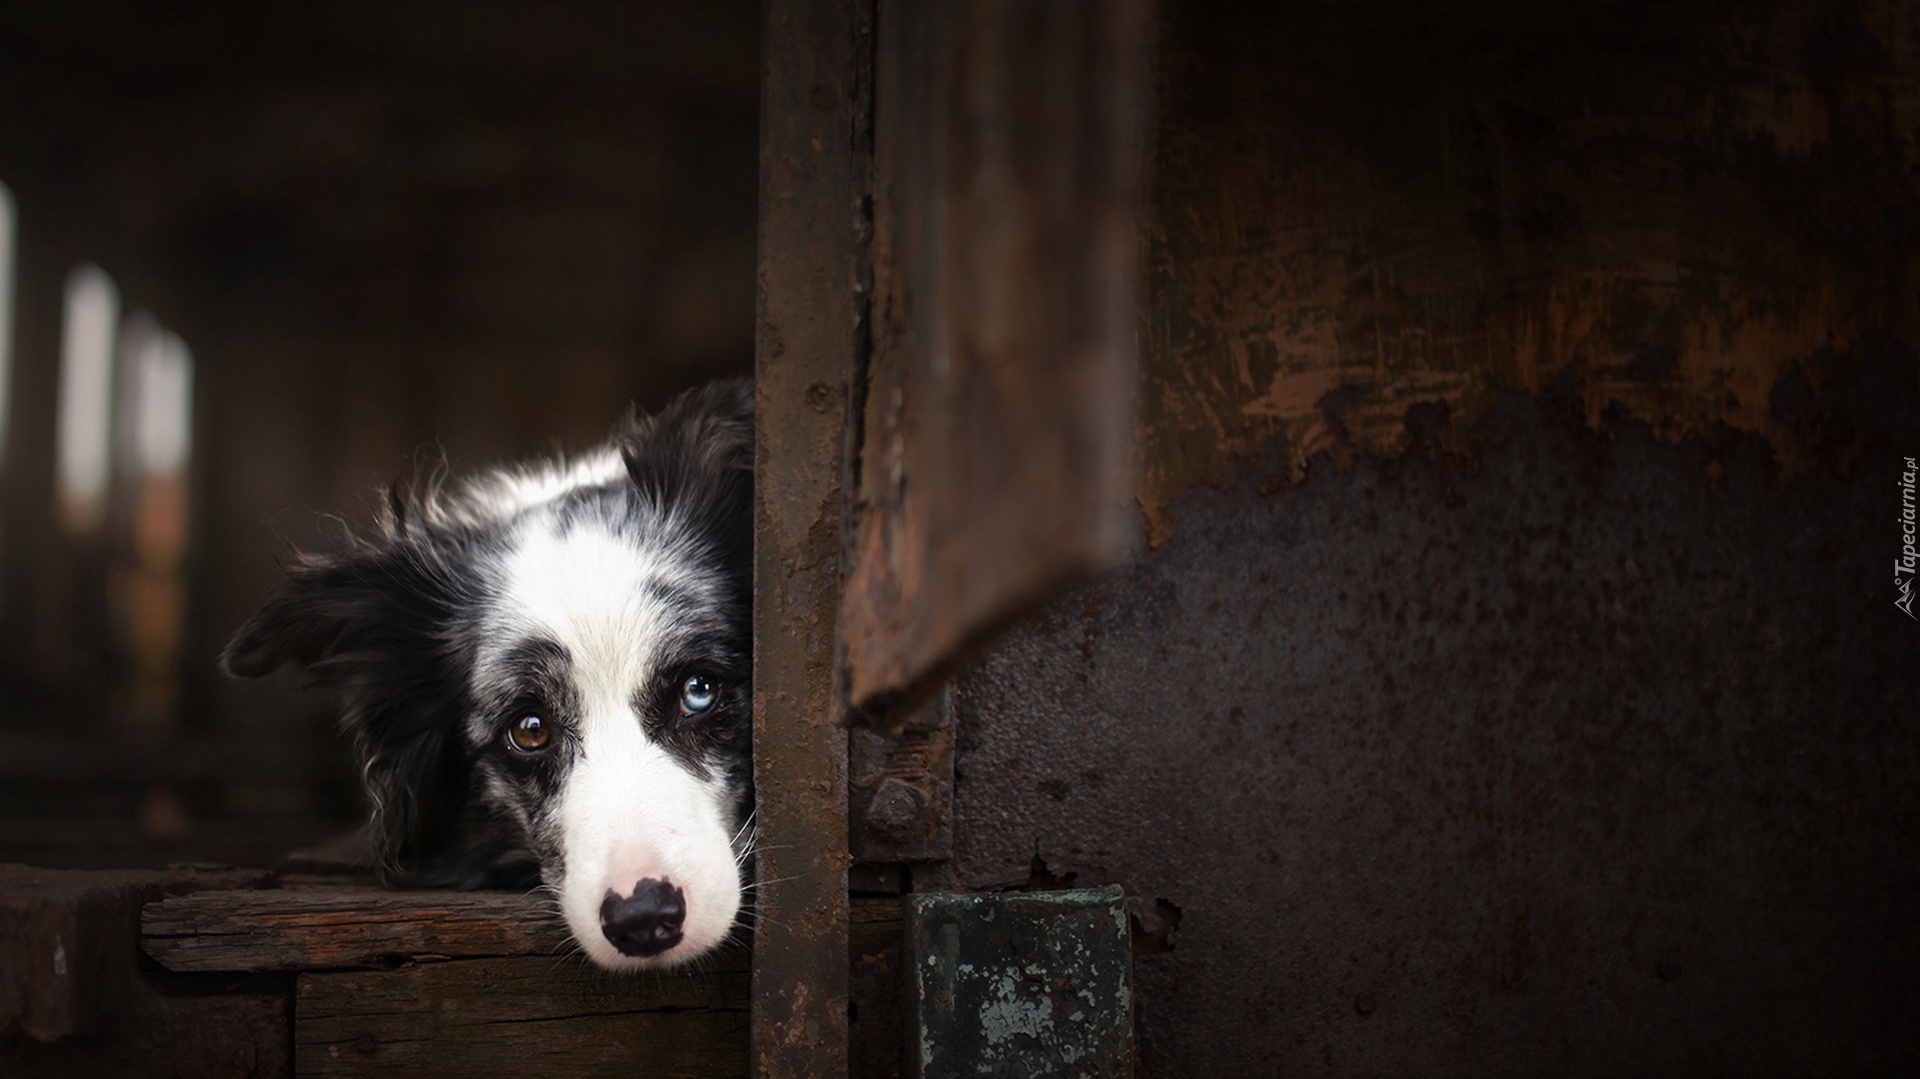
x,y
758,917
753,852
744,825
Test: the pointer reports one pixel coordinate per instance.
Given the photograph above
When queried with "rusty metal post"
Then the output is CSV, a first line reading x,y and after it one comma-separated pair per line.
x,y
811,191
996,446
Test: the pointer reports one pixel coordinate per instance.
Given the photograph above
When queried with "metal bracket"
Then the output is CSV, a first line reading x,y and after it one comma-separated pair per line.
x,y
1019,984
901,787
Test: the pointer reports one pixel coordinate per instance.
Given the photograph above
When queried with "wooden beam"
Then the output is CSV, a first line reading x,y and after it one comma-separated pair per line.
x,y
67,942
536,1016
345,927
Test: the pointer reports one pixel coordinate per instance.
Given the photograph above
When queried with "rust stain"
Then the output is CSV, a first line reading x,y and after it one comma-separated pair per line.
x,y
1665,229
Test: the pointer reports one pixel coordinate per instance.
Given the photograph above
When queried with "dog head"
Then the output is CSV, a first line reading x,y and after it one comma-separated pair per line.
x,y
554,662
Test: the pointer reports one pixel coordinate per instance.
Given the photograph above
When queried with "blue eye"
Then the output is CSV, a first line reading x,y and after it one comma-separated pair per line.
x,y
698,694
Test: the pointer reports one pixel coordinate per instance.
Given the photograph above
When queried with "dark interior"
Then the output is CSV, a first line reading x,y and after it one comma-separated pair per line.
x,y
384,233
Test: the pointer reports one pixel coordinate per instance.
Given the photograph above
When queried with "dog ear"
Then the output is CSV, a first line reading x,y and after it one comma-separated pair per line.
x,y
311,617
372,624
698,449
694,462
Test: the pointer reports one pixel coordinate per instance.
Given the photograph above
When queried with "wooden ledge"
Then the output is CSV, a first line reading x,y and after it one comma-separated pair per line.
x,y
345,928
454,983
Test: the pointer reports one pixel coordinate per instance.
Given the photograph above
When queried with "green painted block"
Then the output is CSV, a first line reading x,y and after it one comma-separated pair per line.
x,y
1025,984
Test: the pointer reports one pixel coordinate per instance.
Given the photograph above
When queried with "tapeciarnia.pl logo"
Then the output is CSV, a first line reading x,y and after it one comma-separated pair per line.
x,y
1903,566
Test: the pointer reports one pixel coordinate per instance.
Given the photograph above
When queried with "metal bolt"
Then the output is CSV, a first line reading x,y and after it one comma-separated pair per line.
x,y
896,809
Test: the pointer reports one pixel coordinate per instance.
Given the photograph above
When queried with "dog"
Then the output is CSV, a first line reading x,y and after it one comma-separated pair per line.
x,y
546,677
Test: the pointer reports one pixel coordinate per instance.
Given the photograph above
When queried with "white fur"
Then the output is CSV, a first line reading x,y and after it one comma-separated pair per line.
x,y
629,811
503,493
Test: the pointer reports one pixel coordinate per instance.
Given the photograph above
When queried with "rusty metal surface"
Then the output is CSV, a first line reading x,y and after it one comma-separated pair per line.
x,y
1363,206
811,184
1561,760
901,787
1030,984
1007,143
1515,685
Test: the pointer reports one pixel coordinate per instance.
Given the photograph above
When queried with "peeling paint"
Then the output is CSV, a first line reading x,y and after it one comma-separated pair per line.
x,y
1665,218
1557,723
1034,983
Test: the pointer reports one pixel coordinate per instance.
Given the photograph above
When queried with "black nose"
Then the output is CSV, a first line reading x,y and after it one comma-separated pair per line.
x,y
646,922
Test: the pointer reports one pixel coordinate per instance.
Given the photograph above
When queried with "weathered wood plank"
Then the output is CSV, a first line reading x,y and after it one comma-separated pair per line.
x,y
875,937
491,1017
67,941
345,927
163,1032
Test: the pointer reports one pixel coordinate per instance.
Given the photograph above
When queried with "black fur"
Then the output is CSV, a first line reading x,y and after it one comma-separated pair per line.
x,y
390,625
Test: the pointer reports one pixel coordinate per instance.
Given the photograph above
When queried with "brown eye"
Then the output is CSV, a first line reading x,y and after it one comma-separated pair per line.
x,y
529,734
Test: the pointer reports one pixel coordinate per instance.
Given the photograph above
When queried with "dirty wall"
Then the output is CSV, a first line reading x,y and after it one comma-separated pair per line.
x,y
1511,681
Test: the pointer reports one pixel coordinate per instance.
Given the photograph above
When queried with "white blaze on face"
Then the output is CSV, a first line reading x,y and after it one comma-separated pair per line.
x,y
629,810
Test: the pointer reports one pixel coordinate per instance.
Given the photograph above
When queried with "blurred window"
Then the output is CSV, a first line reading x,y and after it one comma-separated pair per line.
x,y
6,314
84,425
153,438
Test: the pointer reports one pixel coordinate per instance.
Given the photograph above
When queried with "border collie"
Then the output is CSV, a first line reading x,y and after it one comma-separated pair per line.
x,y
547,671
